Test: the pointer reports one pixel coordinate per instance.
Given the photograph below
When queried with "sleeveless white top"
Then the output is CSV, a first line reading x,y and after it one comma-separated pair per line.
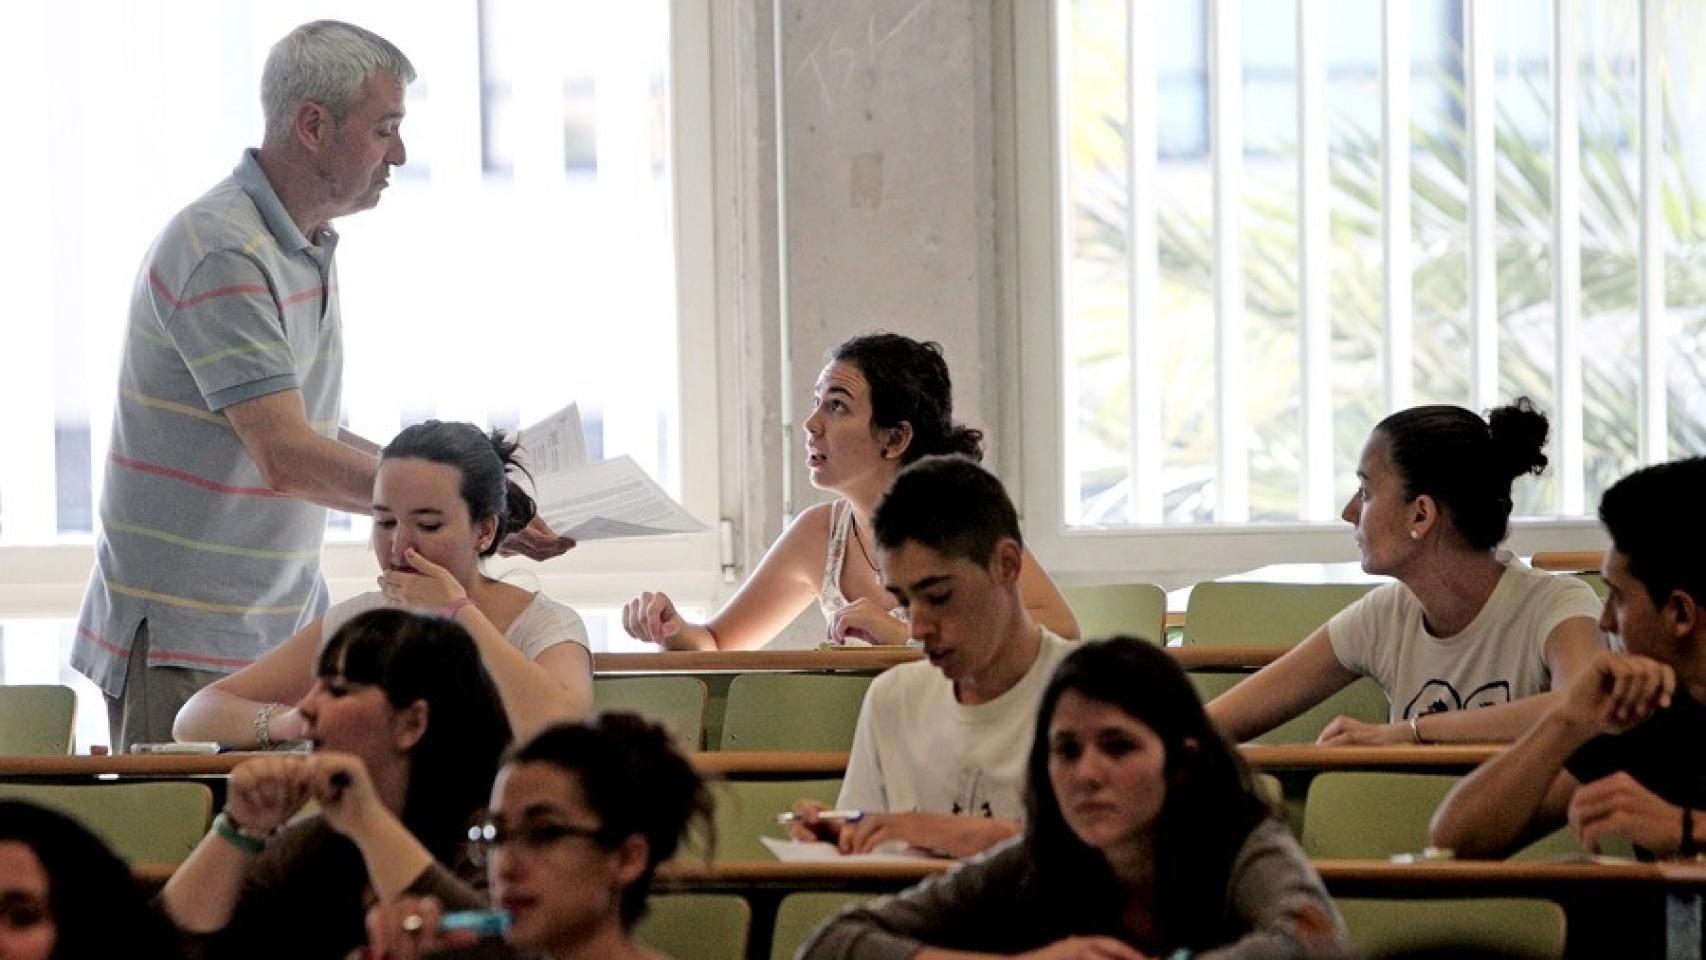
x,y
830,599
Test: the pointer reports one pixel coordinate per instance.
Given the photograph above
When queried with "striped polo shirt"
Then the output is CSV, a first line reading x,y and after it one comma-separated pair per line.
x,y
232,303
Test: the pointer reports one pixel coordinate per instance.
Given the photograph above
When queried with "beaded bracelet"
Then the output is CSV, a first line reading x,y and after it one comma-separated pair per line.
x,y
263,725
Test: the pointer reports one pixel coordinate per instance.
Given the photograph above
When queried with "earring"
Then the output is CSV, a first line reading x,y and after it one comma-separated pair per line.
x,y
1415,535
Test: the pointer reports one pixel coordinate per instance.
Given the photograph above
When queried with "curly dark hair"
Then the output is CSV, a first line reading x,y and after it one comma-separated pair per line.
x,y
909,384
635,781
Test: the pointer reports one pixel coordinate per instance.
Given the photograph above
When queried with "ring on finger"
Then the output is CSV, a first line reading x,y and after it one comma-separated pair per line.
x,y
413,922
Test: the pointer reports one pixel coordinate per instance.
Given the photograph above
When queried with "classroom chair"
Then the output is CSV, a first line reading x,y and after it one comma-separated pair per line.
x,y
747,809
155,822
1362,699
676,702
705,926
800,914
1373,815
1107,609
1529,929
1238,613
37,719
793,711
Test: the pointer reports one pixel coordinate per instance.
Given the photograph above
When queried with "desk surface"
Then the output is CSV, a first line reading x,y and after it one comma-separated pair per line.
x,y
1432,758
869,659
716,763
1436,878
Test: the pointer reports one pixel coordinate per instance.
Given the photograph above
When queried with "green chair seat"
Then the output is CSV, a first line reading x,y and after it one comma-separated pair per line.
x,y
1238,613
1362,699
800,914
747,809
1530,929
793,711
675,702
157,822
1110,609
37,719
696,926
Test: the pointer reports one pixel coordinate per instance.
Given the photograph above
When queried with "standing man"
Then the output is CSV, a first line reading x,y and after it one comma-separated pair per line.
x,y
1618,755
226,447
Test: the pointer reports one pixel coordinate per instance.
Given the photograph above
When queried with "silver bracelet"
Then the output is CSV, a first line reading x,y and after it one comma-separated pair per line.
x,y
1416,728
263,725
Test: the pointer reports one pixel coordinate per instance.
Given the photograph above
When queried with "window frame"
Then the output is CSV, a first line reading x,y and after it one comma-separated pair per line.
x,y
1174,555
47,580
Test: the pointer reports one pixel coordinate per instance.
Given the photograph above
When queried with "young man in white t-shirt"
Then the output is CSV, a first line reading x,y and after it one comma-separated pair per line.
x,y
938,760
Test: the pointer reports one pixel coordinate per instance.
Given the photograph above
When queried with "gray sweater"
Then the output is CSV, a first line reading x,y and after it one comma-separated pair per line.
x,y
989,904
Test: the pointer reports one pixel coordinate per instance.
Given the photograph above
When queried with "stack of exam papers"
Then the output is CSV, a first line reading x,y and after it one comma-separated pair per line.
x,y
595,501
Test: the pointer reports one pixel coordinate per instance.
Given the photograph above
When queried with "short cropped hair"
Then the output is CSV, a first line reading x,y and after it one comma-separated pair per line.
x,y
949,504
327,61
1655,520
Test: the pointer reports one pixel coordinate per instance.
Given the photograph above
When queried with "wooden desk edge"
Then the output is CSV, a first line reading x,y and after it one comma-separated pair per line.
x,y
872,659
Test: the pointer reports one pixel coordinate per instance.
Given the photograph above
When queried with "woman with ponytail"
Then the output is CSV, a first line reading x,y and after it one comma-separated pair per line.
x,y
1468,635
444,499
882,402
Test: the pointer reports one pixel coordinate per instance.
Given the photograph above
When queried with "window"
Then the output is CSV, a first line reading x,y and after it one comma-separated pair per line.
x,y
548,241
1268,223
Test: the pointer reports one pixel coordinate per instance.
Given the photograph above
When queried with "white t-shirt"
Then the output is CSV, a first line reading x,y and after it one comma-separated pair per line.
x,y
542,624
1499,657
916,748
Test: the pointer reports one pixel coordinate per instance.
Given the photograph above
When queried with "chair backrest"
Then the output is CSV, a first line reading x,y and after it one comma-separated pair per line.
x,y
1595,580
696,926
1107,609
37,719
793,711
156,822
747,809
1530,929
676,702
1366,815
800,914
1362,699
1231,612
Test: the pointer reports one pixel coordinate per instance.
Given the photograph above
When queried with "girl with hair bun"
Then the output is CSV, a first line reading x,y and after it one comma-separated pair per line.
x,y
443,500
1468,635
882,402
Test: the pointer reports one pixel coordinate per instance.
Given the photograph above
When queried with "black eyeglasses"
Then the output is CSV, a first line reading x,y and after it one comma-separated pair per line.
x,y
488,834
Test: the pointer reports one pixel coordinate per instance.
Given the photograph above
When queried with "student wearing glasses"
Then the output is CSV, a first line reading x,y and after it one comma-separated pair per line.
x,y
581,817
407,731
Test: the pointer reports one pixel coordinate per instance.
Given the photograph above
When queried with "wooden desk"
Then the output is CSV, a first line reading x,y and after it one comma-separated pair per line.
x,y
1598,898
829,763
1427,758
872,659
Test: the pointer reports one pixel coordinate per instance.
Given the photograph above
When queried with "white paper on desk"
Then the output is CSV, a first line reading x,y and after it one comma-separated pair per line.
x,y
556,444
609,499
817,851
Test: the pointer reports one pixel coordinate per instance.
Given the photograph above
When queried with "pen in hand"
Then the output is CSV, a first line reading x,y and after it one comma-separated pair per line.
x,y
824,816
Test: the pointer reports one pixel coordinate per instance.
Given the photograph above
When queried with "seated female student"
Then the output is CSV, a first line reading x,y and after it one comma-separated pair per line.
x,y
882,402
442,501
581,816
1468,635
65,896
1143,836
406,732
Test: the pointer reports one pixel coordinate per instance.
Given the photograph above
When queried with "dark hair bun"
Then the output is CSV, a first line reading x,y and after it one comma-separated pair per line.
x,y
1519,434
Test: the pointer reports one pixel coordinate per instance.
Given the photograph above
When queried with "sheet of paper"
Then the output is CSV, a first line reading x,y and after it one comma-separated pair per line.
x,y
556,444
609,499
815,851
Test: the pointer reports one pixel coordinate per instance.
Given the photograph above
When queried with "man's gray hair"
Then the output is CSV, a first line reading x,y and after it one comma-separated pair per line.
x,y
328,62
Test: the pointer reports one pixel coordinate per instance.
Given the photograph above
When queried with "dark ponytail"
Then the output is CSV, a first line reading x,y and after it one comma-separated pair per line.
x,y
1465,463
909,384
485,462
